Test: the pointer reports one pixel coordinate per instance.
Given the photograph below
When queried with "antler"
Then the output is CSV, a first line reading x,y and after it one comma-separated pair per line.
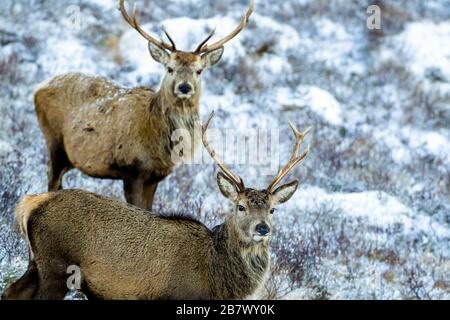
x,y
202,48
132,21
236,179
294,159
199,48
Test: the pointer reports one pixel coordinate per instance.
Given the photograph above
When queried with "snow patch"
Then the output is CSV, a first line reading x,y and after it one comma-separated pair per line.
x,y
431,142
285,36
67,55
427,46
402,142
5,148
106,4
318,100
377,207
332,45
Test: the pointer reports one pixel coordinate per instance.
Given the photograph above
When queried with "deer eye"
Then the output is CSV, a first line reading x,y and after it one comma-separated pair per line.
x,y
199,72
272,210
241,208
169,70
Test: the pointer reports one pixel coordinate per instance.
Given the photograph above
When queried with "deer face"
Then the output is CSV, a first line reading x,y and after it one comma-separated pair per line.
x,y
253,209
183,69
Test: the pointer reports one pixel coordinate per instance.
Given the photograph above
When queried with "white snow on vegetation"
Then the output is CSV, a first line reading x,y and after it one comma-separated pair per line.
x,y
426,45
376,207
316,99
370,219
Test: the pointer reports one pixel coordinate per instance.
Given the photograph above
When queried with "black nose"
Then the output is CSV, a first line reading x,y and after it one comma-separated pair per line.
x,y
262,228
184,88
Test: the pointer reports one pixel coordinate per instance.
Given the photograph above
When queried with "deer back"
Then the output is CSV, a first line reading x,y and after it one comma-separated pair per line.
x,y
122,251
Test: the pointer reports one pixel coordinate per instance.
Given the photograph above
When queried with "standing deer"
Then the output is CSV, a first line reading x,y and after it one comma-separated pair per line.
x,y
108,131
125,253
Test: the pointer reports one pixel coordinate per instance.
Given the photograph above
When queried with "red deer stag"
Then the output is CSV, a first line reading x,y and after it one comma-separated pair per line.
x,y
108,131
124,252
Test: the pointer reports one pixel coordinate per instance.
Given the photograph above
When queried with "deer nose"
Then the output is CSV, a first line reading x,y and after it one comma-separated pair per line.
x,y
262,228
184,88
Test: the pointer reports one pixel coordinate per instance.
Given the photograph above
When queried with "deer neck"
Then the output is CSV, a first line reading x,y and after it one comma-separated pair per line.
x,y
171,104
179,113
245,263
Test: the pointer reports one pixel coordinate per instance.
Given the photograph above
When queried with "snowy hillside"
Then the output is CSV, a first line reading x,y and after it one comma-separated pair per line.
x,y
371,219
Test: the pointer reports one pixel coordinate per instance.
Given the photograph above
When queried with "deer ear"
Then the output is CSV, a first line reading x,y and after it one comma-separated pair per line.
x,y
158,53
211,58
284,193
226,186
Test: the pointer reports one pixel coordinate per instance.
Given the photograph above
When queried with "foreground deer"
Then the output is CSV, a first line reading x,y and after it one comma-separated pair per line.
x,y
107,131
125,253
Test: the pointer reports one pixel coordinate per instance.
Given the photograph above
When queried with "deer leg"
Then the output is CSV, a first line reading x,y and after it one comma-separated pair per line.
x,y
25,287
52,289
58,164
52,281
134,191
89,294
149,194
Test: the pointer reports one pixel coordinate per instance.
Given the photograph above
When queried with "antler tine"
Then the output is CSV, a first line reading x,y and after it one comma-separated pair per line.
x,y
174,48
299,136
200,46
132,21
236,179
236,31
294,159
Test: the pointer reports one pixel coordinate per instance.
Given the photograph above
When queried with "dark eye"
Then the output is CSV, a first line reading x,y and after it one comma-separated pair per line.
x,y
241,208
169,70
272,210
199,72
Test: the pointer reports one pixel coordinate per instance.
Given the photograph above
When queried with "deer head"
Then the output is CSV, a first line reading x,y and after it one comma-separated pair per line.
x,y
253,209
183,69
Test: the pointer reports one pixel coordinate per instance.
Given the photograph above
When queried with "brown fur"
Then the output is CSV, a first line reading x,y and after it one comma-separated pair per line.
x,y
125,253
23,211
184,58
107,131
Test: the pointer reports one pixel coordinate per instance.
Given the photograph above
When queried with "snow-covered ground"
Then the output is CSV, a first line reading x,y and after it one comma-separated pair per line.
x,y
371,219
